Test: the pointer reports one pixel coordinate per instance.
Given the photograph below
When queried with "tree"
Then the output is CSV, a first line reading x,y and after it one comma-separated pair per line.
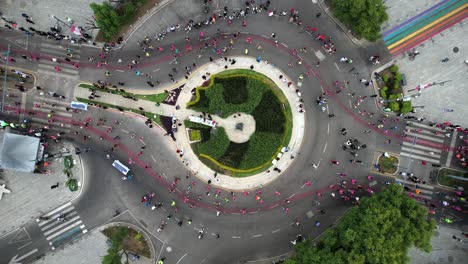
x,y
363,16
380,230
107,19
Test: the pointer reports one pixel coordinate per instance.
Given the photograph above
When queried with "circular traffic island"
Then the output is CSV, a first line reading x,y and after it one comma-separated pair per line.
x,y
253,122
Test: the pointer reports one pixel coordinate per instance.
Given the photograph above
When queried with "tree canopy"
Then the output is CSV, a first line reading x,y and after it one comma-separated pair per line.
x,y
107,19
380,230
363,16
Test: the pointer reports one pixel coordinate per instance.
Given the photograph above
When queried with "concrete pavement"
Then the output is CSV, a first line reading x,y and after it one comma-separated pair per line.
x,y
182,143
31,195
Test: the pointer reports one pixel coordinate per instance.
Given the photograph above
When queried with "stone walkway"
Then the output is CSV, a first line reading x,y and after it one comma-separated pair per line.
x,y
31,195
182,143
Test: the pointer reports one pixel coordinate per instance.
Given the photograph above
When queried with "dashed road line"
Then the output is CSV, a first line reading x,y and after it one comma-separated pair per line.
x,y
274,231
236,237
256,235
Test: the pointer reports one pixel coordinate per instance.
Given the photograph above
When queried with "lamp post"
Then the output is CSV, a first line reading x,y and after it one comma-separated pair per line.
x,y
5,78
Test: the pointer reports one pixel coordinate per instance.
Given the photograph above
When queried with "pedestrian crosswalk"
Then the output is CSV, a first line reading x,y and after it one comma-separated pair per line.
x,y
59,230
52,109
417,190
49,51
431,152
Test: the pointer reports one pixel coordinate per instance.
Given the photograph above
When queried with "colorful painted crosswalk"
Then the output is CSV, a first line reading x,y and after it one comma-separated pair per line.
x,y
425,25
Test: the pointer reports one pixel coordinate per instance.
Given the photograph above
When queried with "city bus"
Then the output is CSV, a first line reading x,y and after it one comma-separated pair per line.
x,y
120,167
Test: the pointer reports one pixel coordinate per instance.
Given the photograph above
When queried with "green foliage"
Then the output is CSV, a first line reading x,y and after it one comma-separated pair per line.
x,y
191,124
383,92
394,106
269,115
262,147
385,78
234,154
216,146
194,135
72,184
363,16
107,19
380,230
225,96
394,69
406,107
68,162
129,11
235,89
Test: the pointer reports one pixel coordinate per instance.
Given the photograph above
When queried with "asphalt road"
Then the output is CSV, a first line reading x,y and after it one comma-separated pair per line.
x,y
266,230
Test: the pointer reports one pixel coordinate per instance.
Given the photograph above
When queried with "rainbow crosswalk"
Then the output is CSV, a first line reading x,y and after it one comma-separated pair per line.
x,y
425,25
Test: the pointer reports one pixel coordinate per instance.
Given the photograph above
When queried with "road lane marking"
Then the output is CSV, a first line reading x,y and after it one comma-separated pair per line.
x,y
257,236
156,70
325,147
274,231
336,65
236,237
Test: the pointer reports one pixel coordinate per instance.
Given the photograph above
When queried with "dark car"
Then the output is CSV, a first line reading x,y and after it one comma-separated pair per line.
x,y
77,151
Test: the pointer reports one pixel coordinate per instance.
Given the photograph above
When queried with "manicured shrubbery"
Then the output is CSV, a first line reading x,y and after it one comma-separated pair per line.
x,y
259,97
216,146
269,116
234,89
406,107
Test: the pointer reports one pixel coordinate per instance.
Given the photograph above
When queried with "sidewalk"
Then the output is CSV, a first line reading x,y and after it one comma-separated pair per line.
x,y
31,195
200,169
445,249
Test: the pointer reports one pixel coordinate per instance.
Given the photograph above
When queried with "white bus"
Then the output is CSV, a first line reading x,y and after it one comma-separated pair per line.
x,y
120,167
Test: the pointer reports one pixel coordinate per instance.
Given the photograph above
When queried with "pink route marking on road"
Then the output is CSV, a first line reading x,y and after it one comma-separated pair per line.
x,y
207,206
179,194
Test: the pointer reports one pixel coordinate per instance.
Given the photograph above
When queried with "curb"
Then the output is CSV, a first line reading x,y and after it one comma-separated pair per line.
x,y
138,229
345,30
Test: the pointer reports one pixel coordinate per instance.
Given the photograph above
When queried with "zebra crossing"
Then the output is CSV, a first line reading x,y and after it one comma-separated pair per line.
x,y
54,50
51,108
58,231
427,133
417,190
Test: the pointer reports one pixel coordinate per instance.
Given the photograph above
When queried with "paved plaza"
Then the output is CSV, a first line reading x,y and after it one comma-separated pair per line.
x,y
31,195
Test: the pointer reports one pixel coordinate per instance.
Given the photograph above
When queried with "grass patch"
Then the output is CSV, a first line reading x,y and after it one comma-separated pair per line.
x,y
388,165
261,98
216,146
157,98
444,179
154,117
129,238
194,135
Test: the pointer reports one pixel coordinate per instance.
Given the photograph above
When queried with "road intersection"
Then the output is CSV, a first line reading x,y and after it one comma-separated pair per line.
x,y
300,192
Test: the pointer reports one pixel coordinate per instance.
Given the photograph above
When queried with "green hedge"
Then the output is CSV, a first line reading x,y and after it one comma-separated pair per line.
x,y
259,97
406,107
216,146
262,147
383,92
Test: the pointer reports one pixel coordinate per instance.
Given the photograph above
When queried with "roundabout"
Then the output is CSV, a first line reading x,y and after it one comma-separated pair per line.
x,y
248,115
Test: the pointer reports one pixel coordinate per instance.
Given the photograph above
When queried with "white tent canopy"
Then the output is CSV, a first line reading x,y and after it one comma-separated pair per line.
x,y
18,152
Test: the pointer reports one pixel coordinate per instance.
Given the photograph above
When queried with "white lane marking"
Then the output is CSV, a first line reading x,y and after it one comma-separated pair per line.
x,y
24,245
274,205
336,65
274,231
236,237
64,230
119,70
284,45
27,254
156,70
125,131
182,258
328,128
152,157
325,147
292,195
257,236
58,209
